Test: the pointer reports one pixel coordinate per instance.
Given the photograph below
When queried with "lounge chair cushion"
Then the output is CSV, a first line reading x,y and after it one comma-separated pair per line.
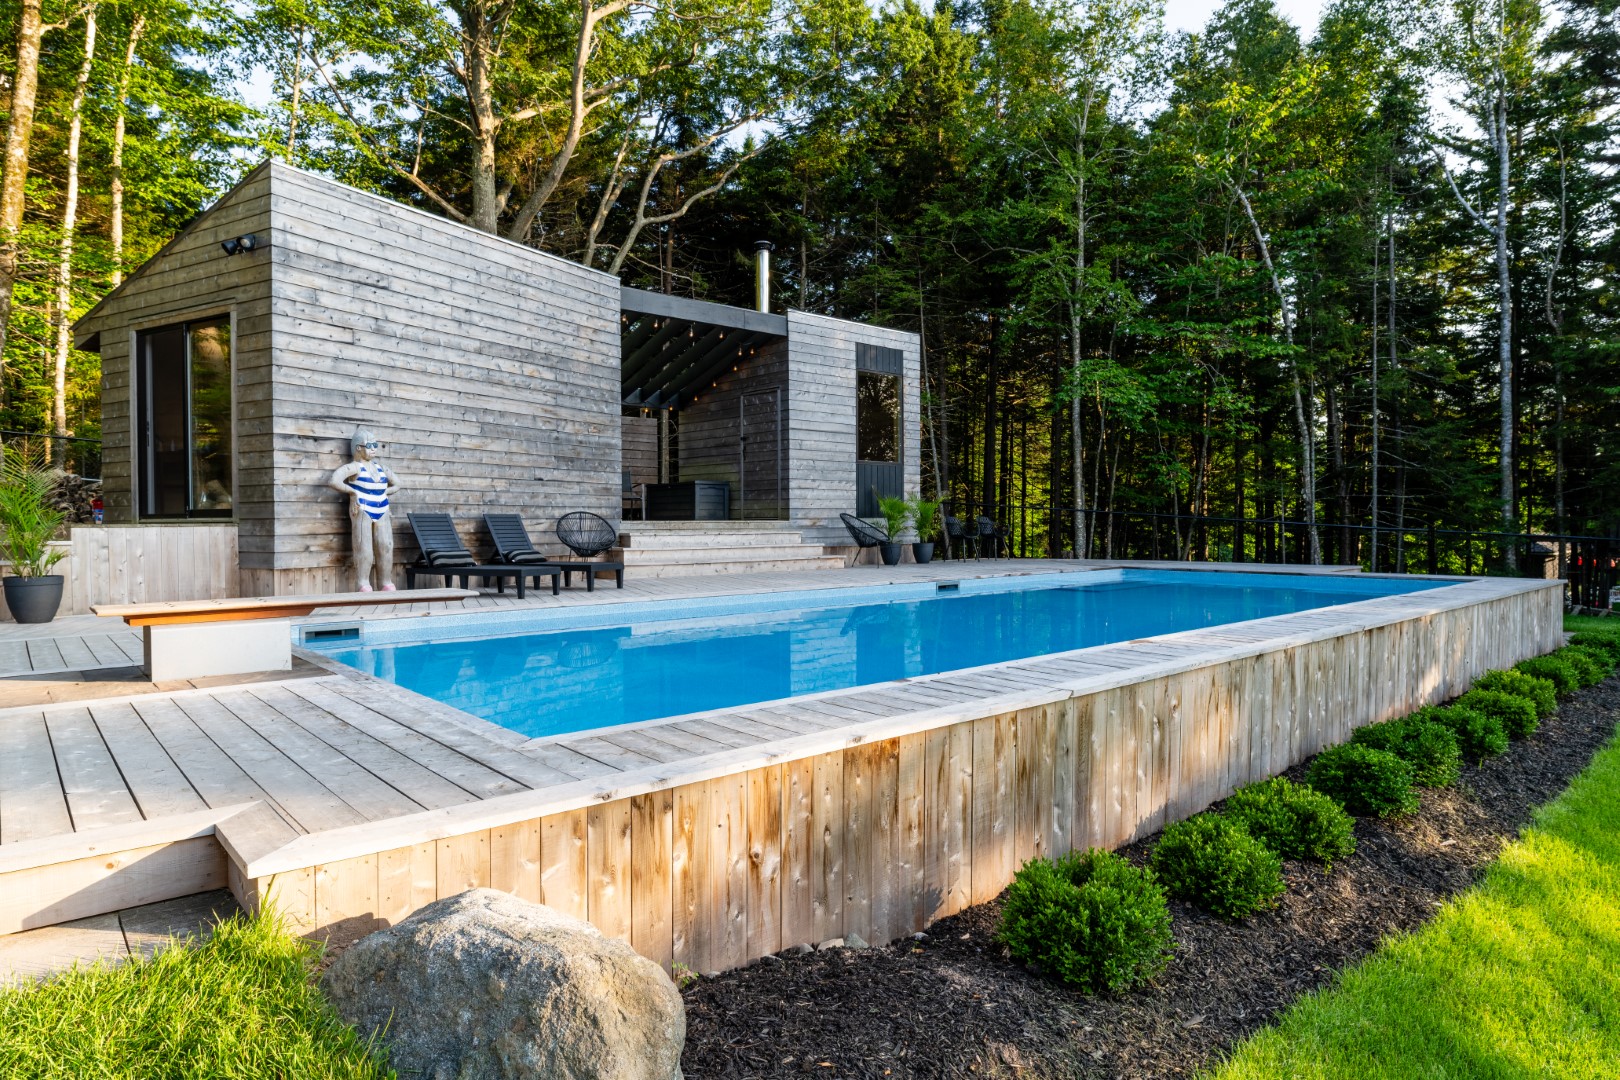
x,y
450,558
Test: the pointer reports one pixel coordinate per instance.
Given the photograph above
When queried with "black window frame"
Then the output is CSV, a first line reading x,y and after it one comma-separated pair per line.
x,y
145,479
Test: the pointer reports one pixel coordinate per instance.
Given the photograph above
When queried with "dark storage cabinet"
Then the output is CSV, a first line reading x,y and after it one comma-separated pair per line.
x,y
690,500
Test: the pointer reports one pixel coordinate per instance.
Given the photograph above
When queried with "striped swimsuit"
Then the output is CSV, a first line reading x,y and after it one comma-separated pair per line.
x,y
371,490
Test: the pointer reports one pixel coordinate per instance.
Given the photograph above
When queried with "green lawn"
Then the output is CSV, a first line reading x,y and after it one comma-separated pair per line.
x,y
1608,624
1519,977
241,1005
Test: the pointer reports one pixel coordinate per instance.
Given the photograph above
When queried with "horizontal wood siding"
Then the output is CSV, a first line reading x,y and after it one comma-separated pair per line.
x,y
882,837
489,371
821,411
191,278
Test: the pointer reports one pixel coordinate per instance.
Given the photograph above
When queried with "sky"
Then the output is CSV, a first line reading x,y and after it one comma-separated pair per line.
x,y
1191,15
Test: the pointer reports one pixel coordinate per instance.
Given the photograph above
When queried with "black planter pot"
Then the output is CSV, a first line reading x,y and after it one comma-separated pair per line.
x,y
922,552
34,599
890,552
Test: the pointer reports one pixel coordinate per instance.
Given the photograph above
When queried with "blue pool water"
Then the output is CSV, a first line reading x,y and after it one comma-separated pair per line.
x,y
573,671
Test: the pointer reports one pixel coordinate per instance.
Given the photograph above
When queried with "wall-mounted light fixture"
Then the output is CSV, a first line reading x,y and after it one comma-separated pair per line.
x,y
239,244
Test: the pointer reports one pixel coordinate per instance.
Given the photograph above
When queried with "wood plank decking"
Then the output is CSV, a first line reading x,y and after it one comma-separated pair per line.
x,y
337,767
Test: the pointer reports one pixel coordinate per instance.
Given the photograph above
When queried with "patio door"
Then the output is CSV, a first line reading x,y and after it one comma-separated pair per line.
x,y
759,454
184,438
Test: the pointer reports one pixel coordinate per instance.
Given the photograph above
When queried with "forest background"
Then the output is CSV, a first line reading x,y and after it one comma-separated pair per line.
x,y
1363,282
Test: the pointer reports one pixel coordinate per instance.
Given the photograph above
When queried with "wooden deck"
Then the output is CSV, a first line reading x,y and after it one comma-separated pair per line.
x,y
280,781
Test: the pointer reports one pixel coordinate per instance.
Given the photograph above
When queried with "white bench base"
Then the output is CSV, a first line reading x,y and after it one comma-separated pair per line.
x,y
200,649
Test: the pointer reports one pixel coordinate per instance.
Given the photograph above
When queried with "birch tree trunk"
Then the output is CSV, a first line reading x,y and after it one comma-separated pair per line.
x,y
24,93
1077,323
1372,471
70,215
116,167
1307,437
1499,138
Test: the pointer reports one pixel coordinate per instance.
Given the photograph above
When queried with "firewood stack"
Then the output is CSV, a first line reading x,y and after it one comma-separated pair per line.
x,y
74,496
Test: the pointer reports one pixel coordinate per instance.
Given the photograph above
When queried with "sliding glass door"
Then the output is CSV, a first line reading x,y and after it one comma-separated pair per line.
x,y
184,438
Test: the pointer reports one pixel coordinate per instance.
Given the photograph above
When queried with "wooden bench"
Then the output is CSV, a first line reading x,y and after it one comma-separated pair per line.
x,y
192,639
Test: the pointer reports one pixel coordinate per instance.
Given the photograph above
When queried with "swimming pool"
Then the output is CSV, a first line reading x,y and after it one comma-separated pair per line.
x,y
556,671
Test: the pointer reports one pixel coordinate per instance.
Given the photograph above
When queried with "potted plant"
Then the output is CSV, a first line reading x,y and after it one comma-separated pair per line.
x,y
925,522
28,524
895,511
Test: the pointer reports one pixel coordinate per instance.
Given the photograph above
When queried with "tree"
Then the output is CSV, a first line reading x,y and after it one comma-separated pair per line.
x,y
1490,46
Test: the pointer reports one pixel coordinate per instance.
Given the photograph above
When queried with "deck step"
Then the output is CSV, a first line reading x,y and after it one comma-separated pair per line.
x,y
635,538
733,566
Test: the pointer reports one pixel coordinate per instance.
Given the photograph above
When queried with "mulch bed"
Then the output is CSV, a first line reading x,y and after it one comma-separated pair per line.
x,y
954,1005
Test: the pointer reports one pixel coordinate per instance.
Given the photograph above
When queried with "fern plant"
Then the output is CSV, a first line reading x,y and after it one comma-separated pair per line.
x,y
28,519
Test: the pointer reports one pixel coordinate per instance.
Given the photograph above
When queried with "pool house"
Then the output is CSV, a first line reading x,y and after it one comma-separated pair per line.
x,y
239,360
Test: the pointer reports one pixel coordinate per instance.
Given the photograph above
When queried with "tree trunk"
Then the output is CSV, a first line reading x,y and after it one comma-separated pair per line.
x,y
1505,331
478,54
1372,468
1307,436
24,91
1077,315
70,215
116,166
992,376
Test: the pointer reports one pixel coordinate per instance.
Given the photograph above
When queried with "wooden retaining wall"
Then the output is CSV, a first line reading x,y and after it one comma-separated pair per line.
x,y
882,837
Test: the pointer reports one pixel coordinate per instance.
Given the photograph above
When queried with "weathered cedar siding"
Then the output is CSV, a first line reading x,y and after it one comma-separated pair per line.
x,y
821,408
490,372
192,278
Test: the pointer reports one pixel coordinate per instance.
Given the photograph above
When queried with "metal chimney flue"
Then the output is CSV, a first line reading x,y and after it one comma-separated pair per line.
x,y
762,275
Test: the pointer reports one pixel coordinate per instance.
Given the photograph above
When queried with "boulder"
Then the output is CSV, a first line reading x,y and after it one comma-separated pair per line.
x,y
484,985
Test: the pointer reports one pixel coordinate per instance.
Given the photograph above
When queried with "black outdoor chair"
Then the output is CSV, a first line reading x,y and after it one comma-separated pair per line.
x,y
864,533
962,540
632,495
444,555
587,536
993,534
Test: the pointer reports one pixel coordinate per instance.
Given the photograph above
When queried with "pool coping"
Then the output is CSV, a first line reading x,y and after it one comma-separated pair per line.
x,y
1230,641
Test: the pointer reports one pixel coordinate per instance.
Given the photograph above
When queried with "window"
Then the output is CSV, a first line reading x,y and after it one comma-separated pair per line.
x,y
183,413
877,416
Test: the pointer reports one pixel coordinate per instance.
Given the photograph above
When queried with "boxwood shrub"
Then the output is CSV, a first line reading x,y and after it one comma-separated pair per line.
x,y
1212,861
1517,714
1591,666
1552,667
1368,782
1539,692
1293,820
1091,919
1604,641
1425,744
1478,736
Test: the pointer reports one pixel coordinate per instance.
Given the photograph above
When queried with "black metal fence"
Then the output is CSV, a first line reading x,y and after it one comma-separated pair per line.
x,y
1591,564
81,457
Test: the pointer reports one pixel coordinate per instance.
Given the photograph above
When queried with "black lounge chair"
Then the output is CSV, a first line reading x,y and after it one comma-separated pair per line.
x,y
587,536
512,545
444,555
